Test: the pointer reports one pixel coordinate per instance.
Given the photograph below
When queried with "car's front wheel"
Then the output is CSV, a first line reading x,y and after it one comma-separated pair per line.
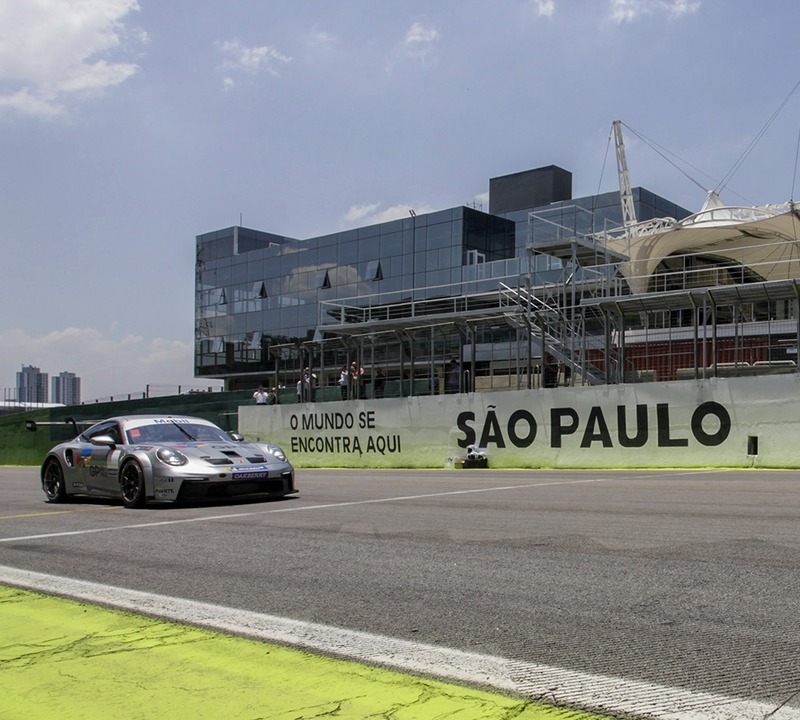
x,y
131,479
55,490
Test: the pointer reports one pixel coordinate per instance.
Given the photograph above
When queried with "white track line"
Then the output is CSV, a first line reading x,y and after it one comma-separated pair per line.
x,y
294,508
350,503
615,696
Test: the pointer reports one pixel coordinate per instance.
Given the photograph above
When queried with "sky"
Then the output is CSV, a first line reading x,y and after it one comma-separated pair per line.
x,y
129,127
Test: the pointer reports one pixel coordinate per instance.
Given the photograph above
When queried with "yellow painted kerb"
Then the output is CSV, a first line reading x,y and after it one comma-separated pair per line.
x,y
65,659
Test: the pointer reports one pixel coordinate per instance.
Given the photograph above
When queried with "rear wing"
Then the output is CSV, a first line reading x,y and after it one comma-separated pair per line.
x,y
33,425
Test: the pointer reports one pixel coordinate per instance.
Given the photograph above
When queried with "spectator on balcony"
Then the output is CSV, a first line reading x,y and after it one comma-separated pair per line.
x,y
452,380
356,380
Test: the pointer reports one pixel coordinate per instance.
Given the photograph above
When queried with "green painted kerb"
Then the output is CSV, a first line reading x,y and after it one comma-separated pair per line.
x,y
61,658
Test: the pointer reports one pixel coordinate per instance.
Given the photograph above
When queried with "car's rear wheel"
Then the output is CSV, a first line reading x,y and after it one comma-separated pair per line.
x,y
131,479
55,489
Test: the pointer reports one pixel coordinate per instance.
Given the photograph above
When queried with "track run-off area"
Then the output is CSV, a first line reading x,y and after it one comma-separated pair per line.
x,y
645,594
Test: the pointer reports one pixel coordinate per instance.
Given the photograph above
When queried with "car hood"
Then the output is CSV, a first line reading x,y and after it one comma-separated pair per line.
x,y
221,453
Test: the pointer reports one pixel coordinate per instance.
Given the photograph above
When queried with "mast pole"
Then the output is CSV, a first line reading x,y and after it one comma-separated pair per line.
x,y
625,192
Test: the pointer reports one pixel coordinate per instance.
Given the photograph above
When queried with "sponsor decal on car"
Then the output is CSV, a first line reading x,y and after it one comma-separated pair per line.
x,y
254,472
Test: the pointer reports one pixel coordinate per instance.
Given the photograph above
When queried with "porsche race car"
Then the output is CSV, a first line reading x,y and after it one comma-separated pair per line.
x,y
163,458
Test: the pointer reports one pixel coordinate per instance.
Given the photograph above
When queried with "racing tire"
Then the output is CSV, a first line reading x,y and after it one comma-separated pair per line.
x,y
53,483
131,481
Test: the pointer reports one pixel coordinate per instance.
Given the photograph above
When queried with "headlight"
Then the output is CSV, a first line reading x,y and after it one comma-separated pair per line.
x,y
277,452
168,456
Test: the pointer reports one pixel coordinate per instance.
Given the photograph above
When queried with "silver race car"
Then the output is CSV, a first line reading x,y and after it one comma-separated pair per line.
x,y
163,458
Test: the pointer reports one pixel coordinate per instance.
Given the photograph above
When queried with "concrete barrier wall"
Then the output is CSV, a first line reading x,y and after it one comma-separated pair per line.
x,y
736,422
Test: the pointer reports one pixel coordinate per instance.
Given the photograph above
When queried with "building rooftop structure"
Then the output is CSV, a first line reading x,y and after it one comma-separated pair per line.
x,y
541,281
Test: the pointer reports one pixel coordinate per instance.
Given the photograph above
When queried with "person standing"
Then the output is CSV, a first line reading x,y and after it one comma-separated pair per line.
x,y
379,383
452,380
272,398
356,380
261,396
309,385
344,382
550,371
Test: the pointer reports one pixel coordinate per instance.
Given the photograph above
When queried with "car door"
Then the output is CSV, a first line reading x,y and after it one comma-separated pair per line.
x,y
99,462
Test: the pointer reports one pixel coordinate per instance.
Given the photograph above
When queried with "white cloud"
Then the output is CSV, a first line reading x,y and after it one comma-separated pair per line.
x,y
419,40
320,39
358,212
250,60
360,215
373,213
546,7
25,103
54,51
622,10
683,7
482,201
629,10
107,366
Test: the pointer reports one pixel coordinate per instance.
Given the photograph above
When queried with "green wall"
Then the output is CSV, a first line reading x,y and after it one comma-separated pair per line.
x,y
19,446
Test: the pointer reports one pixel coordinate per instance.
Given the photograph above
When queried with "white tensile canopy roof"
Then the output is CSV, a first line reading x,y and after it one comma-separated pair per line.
x,y
765,239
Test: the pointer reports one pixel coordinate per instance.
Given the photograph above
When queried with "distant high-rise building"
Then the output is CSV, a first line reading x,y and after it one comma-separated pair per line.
x,y
31,385
66,388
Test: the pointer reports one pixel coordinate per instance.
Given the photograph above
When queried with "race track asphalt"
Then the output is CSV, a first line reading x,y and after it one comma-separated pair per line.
x,y
395,594
76,661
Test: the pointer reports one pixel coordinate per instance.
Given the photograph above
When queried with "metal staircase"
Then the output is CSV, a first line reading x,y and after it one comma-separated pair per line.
x,y
561,334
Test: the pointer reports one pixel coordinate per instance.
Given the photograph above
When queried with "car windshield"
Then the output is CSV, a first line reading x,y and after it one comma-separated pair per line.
x,y
169,432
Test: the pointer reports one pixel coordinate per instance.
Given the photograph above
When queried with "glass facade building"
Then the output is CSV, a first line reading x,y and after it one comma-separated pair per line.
x,y
268,305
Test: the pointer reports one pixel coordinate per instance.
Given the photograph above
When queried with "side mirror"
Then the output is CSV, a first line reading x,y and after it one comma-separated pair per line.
x,y
106,440
236,437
